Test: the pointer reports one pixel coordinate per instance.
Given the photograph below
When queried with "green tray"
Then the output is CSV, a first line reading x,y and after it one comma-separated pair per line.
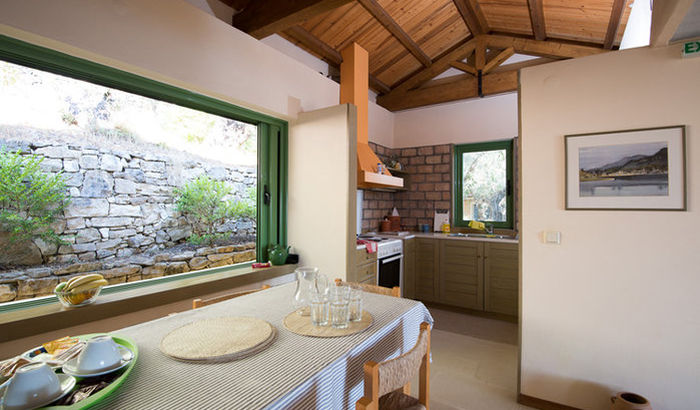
x,y
102,394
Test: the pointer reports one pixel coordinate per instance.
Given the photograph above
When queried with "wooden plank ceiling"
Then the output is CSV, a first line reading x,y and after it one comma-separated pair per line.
x,y
410,42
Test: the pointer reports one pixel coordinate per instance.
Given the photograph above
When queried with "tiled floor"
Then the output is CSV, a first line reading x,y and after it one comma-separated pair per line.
x,y
475,363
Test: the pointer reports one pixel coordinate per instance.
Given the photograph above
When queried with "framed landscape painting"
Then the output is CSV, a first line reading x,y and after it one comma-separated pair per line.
x,y
642,169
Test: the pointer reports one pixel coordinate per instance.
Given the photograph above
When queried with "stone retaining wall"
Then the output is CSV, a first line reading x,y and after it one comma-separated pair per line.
x,y
40,281
121,201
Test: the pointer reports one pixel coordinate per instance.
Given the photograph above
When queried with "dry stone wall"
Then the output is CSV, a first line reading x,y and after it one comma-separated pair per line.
x,y
121,220
121,201
40,281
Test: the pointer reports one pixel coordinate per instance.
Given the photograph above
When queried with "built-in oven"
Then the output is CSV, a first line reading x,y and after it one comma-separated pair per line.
x,y
390,263
389,260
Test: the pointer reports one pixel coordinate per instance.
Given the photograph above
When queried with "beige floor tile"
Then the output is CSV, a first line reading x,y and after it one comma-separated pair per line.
x,y
470,370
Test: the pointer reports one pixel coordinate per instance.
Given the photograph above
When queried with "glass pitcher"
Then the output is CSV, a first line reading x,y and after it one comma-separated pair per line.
x,y
309,282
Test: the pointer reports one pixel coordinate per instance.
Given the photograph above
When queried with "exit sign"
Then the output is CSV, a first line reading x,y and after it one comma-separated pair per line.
x,y
691,49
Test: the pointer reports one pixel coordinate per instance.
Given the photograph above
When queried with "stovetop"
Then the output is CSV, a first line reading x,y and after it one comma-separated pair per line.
x,y
385,246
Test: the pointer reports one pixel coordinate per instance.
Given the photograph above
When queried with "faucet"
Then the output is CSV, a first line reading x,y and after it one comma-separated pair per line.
x,y
489,228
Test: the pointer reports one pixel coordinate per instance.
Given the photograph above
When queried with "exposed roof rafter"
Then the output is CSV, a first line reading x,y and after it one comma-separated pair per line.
x,y
547,48
451,89
498,60
473,16
262,18
466,67
329,54
378,12
537,19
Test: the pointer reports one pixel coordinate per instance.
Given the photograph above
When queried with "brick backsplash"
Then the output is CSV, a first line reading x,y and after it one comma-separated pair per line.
x,y
429,187
429,183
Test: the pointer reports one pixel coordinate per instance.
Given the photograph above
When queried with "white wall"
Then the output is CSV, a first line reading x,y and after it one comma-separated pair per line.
x,y
615,306
322,187
175,42
477,120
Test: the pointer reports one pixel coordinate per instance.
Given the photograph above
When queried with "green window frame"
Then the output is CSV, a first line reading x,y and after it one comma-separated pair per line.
x,y
272,134
459,150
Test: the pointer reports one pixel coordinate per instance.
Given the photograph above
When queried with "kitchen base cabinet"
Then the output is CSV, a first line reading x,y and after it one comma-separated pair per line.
x,y
481,276
461,275
365,267
409,268
501,278
426,268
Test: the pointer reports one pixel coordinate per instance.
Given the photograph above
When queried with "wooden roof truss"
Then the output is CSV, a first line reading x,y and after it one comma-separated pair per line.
x,y
413,41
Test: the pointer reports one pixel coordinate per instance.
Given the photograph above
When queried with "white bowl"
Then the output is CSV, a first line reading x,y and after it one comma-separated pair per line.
x,y
33,385
100,353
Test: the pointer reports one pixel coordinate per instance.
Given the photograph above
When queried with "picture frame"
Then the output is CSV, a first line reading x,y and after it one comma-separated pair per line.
x,y
637,169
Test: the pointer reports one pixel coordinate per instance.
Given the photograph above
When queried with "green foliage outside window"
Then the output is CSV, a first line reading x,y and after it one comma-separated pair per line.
x,y
204,204
483,175
31,200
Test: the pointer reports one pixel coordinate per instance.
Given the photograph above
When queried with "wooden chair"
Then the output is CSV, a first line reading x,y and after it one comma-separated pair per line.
x,y
198,303
395,291
388,384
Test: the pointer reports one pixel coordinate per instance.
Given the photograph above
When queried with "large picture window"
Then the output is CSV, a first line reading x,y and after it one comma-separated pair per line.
x,y
483,183
108,172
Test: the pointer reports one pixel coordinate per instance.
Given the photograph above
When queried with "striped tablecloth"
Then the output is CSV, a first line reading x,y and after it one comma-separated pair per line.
x,y
294,372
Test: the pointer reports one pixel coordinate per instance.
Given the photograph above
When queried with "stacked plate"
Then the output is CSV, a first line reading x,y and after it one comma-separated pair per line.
x,y
218,339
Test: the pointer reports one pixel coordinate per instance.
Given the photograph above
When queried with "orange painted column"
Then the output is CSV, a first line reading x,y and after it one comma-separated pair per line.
x,y
354,83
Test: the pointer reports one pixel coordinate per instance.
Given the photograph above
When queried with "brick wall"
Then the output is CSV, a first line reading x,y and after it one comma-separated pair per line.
x,y
429,187
429,182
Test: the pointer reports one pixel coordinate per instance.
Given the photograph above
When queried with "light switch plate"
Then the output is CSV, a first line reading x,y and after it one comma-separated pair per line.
x,y
552,237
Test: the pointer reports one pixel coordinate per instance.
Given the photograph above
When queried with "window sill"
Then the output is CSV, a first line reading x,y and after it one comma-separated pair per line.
x,y
49,316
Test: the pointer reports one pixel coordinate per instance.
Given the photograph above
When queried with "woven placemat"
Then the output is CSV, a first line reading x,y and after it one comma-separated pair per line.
x,y
302,325
218,339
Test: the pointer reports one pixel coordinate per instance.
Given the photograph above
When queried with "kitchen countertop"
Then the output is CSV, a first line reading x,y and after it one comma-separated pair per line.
x,y
440,235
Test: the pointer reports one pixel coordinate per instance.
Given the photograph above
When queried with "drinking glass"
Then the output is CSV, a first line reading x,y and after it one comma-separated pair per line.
x,y
339,311
319,309
355,305
340,291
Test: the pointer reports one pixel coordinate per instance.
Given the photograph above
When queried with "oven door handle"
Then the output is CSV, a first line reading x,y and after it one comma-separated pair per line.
x,y
391,259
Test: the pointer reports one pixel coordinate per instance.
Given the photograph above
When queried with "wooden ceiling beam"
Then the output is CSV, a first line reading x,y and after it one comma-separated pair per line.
x,y
378,12
498,60
523,64
236,4
329,54
537,19
546,48
452,89
614,23
466,67
262,18
480,54
473,16
437,67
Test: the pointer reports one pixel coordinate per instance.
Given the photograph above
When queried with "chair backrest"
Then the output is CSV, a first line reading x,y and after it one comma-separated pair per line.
x,y
391,375
395,291
198,303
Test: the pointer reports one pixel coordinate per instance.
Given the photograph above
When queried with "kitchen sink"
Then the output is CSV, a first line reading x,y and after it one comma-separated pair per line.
x,y
480,235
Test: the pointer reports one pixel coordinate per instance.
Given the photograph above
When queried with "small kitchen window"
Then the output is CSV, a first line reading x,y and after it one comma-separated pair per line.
x,y
483,187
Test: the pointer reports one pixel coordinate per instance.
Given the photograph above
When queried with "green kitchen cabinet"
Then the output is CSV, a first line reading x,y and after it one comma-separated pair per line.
x,y
461,274
501,278
409,268
427,269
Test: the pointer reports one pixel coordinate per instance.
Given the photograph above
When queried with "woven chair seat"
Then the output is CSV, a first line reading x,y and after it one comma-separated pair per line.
x,y
397,400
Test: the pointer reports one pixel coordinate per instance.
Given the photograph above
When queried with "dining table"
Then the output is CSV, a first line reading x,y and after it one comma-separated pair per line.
x,y
293,372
